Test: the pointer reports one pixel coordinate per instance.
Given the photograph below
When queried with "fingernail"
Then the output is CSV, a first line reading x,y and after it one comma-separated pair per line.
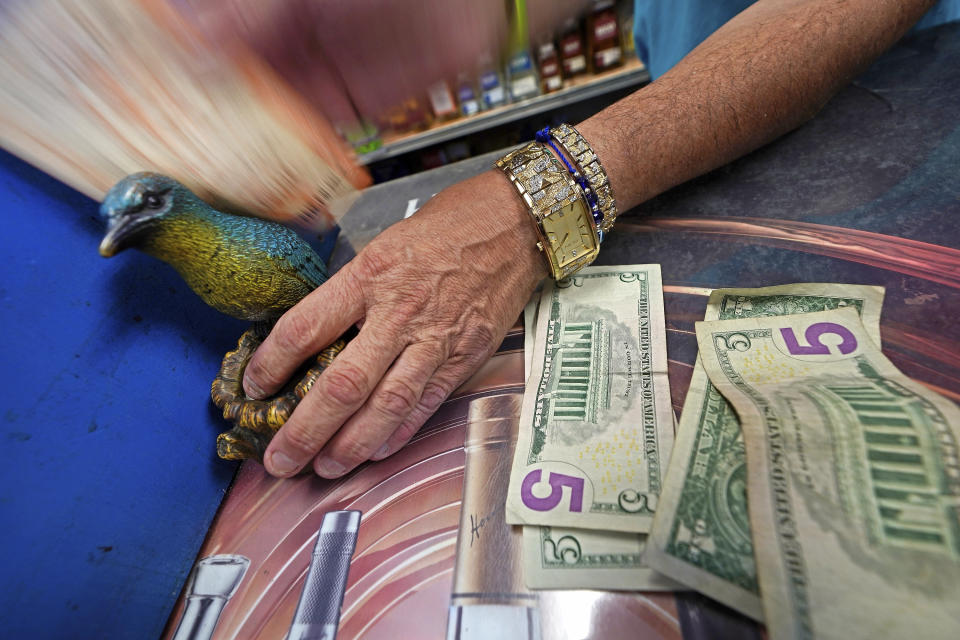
x,y
381,452
329,468
252,390
281,464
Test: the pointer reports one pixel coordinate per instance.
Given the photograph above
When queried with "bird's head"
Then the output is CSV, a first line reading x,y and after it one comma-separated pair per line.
x,y
135,205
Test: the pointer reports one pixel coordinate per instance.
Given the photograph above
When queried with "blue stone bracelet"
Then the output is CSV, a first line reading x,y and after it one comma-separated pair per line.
x,y
544,136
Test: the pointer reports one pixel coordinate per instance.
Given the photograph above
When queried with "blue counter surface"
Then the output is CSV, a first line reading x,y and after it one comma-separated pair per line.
x,y
110,478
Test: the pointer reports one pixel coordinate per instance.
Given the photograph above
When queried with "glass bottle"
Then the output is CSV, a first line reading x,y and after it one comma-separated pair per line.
x,y
550,77
467,95
572,53
603,34
491,83
521,72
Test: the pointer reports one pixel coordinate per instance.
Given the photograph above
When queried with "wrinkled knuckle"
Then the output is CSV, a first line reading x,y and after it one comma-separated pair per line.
x,y
395,400
399,309
477,344
406,310
434,394
304,439
292,332
370,264
407,430
346,384
482,336
352,450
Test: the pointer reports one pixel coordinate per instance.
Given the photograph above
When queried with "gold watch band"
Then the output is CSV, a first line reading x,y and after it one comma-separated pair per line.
x,y
567,233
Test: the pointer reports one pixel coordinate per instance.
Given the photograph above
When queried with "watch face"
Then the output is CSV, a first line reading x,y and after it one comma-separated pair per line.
x,y
568,232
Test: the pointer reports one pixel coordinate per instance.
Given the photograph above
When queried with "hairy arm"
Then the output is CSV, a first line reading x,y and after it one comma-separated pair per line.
x,y
437,292
765,72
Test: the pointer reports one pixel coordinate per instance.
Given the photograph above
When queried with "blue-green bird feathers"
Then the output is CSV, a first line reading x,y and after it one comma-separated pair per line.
x,y
248,268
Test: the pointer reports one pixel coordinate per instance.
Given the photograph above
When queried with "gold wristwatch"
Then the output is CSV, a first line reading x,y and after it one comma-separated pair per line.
x,y
567,232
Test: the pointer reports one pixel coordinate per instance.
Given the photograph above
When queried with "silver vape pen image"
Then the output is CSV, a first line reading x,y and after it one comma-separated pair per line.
x,y
213,582
318,611
489,599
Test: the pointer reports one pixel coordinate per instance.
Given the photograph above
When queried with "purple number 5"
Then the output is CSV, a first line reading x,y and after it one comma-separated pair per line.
x,y
848,342
557,482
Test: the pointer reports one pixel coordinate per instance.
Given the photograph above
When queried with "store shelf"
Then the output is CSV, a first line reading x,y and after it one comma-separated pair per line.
x,y
631,75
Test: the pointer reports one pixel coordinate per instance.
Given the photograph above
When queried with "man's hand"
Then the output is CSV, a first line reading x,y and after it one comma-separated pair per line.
x,y
433,295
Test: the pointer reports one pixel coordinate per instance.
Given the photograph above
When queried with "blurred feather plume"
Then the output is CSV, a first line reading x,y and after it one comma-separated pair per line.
x,y
93,90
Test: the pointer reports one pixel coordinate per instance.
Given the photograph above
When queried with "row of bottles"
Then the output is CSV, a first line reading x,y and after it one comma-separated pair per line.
x,y
377,69
590,45
582,47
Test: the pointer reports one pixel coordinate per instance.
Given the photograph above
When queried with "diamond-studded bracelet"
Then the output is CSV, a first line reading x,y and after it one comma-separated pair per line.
x,y
586,168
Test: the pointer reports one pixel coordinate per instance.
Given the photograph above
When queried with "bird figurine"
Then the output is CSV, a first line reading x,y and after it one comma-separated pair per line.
x,y
245,267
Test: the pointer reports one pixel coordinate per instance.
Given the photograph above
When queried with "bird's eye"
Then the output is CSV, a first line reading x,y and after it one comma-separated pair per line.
x,y
153,201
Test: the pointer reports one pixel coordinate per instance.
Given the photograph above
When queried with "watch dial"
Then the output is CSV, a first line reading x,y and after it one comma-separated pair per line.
x,y
569,234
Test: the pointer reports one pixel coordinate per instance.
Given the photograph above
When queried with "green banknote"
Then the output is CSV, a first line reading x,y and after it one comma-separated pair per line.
x,y
557,558
596,427
530,331
853,478
701,532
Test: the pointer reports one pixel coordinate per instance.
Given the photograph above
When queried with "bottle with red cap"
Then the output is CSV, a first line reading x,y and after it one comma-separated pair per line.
x,y
550,77
573,55
603,36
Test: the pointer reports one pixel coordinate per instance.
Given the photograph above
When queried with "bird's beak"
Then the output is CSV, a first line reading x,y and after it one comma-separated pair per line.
x,y
119,230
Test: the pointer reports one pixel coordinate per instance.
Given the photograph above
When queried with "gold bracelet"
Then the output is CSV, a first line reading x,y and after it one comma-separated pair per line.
x,y
567,233
588,164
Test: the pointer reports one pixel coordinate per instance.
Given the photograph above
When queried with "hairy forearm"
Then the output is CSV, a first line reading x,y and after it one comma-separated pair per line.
x,y
765,72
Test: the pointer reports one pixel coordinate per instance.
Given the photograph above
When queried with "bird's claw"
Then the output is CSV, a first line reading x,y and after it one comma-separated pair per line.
x,y
255,422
